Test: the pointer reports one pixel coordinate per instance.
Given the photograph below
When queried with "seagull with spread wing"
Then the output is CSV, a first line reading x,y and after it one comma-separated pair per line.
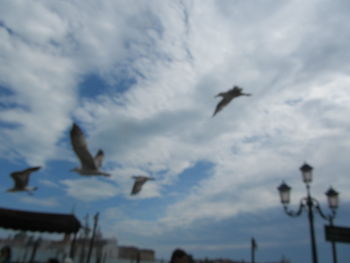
x,y
89,165
227,97
21,179
140,180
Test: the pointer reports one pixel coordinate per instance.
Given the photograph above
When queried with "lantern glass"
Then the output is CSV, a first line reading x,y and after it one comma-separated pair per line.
x,y
306,172
284,191
333,198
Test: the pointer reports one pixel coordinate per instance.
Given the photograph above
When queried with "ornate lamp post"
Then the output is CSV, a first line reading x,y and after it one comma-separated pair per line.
x,y
311,204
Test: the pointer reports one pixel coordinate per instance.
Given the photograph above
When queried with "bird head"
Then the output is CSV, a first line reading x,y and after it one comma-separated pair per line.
x,y
237,88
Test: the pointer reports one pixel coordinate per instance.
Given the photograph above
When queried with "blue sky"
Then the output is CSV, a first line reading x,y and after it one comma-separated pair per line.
x,y
140,77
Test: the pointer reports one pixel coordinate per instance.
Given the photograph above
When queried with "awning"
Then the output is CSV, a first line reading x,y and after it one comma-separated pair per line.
x,y
38,222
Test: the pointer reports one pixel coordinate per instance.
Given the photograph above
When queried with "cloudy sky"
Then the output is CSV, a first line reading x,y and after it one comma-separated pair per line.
x,y
140,78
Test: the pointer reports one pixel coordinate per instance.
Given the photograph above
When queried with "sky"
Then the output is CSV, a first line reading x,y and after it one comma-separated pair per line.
x,y
140,78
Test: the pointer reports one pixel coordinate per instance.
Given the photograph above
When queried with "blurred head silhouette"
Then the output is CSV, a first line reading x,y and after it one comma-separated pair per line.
x,y
5,254
52,260
179,256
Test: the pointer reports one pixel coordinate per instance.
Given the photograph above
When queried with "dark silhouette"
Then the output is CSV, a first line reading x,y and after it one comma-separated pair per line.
x,y
5,254
92,240
140,180
227,97
254,247
21,179
52,260
36,245
179,256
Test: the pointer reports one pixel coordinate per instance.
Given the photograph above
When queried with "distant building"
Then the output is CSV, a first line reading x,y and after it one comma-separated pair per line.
x,y
104,249
127,252
220,260
23,246
147,254
134,253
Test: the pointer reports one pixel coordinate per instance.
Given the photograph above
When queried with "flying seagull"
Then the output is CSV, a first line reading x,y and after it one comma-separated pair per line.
x,y
140,180
89,165
227,97
21,179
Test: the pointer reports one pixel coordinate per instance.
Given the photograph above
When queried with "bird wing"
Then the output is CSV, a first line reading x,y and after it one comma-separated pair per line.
x,y
30,170
21,178
136,187
221,94
139,182
221,104
80,148
99,158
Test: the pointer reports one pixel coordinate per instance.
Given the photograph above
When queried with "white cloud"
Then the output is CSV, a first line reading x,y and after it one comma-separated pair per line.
x,y
46,202
292,56
89,189
49,183
165,121
42,81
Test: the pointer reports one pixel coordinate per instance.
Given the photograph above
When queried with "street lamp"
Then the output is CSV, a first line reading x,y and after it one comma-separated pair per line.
x,y
284,190
310,204
333,200
306,172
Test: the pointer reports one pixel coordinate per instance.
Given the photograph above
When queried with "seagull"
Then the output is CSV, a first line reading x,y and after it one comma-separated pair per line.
x,y
140,180
228,96
21,179
89,165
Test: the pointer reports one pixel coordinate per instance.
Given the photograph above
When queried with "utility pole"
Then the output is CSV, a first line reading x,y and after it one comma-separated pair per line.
x,y
84,236
253,248
92,237
35,247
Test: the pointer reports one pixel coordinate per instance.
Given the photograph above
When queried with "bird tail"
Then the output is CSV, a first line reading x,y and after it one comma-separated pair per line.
x,y
246,94
32,190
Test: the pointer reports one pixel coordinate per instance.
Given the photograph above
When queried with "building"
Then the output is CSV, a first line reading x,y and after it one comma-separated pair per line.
x,y
134,253
29,247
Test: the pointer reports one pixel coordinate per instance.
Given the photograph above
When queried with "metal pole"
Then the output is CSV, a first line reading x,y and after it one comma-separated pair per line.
x,y
138,256
92,238
311,223
85,237
253,247
334,249
72,247
35,247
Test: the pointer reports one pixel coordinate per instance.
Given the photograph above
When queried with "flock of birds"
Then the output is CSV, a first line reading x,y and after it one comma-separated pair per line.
x,y
91,165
